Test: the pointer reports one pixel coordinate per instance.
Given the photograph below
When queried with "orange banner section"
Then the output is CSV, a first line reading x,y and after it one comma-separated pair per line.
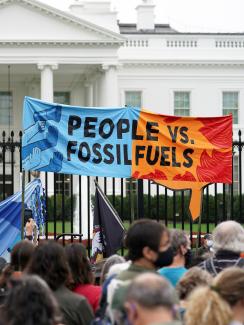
x,y
183,152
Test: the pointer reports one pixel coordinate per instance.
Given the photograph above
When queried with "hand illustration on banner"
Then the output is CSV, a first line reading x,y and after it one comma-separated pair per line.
x,y
39,137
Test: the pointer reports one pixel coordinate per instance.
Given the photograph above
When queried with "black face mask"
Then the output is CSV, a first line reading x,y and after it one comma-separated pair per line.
x,y
164,258
188,258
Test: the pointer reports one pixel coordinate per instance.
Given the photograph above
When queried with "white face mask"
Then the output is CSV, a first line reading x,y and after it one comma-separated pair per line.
x,y
209,243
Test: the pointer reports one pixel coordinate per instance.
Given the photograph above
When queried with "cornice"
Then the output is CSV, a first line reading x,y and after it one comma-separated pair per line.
x,y
189,62
67,17
86,43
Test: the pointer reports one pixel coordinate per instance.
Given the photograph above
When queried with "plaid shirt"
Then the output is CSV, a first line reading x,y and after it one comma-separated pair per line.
x,y
222,260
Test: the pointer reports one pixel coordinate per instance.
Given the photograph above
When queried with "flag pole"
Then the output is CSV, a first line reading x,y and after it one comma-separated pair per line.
x,y
199,234
23,205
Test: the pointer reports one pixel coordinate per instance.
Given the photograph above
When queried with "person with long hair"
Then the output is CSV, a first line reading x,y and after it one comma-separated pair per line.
x,y
219,304
82,275
30,301
19,259
50,263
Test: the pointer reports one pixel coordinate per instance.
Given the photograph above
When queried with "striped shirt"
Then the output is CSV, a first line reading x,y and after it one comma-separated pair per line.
x,y
222,260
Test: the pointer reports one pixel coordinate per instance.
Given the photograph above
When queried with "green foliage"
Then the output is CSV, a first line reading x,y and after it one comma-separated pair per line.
x,y
176,207
166,208
59,207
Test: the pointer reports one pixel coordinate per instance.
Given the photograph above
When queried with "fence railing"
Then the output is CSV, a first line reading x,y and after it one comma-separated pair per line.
x,y
70,198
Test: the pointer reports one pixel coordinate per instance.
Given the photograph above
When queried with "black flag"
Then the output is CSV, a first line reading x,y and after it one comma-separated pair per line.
x,y
108,229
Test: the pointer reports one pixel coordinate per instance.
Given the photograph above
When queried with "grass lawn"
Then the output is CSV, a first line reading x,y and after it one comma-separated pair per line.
x,y
67,227
59,229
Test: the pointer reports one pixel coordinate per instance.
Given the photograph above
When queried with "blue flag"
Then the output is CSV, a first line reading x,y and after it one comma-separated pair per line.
x,y
10,214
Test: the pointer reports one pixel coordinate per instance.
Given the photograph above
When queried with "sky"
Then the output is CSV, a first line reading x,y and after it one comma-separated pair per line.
x,y
183,15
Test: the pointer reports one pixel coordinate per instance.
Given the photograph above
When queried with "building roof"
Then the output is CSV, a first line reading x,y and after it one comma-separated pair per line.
x,y
65,17
159,29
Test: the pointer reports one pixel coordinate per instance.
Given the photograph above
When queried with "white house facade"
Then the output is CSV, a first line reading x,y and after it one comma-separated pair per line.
x,y
86,57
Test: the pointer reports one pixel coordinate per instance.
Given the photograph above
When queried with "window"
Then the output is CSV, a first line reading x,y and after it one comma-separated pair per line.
x,y
6,107
182,103
61,97
7,186
63,181
133,98
231,104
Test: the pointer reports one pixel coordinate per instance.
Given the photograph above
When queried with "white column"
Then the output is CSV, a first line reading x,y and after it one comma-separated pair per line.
x,y
89,94
110,86
47,81
47,95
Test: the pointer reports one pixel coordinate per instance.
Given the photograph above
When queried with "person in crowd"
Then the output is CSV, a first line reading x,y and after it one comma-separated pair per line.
x,y
21,255
110,274
112,260
181,246
82,275
30,301
50,263
150,299
228,246
148,244
19,258
207,245
3,263
193,278
31,230
224,303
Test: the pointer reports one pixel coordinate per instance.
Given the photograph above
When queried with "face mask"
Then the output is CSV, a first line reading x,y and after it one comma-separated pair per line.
x,y
209,243
188,258
164,258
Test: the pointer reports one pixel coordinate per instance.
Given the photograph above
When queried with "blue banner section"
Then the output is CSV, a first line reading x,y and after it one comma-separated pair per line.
x,y
10,214
77,140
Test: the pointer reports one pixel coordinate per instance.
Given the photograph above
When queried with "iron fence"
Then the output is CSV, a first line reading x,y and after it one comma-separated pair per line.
x,y
69,196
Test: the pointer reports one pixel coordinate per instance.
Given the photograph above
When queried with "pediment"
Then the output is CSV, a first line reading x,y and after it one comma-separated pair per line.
x,y
29,20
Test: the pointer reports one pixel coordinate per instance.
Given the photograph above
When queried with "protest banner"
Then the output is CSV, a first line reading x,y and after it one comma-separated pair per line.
x,y
178,152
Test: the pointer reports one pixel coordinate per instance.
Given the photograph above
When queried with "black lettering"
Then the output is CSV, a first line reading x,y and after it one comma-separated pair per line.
x,y
70,149
189,160
139,154
110,124
88,127
173,135
164,156
135,136
108,153
95,148
118,154
127,161
123,126
184,135
174,162
73,123
81,156
150,160
150,130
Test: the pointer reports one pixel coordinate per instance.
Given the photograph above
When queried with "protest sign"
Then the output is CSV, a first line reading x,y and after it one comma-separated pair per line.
x,y
179,152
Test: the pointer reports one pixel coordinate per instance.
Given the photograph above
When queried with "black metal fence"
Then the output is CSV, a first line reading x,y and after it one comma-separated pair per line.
x,y
69,196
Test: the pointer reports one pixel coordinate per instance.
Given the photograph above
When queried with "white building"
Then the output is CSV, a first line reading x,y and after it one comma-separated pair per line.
x,y
85,57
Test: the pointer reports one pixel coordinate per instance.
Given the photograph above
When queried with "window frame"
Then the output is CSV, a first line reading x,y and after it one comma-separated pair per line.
x,y
132,90
174,91
11,123
238,98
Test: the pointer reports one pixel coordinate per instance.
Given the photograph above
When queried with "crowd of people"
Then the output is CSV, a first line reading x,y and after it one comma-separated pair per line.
x,y
161,280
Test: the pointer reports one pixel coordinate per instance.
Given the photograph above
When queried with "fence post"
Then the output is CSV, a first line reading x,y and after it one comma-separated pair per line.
x,y
140,201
